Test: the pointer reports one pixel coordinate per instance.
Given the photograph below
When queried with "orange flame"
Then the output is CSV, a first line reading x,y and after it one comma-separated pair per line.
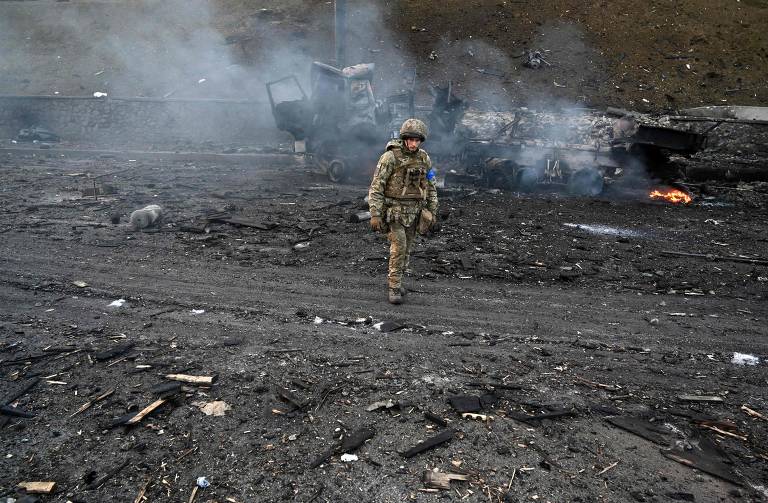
x,y
674,196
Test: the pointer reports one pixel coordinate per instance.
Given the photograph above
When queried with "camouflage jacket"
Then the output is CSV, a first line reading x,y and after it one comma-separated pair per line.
x,y
402,185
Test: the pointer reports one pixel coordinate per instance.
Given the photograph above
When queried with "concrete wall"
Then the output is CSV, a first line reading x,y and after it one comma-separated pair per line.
x,y
140,120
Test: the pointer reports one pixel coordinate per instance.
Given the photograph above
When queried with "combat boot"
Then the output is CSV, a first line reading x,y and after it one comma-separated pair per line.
x,y
395,296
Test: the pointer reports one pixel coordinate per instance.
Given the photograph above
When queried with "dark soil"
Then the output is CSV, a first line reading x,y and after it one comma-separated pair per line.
x,y
508,293
536,303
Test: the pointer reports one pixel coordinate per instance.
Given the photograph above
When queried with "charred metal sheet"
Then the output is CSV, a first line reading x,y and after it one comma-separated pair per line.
x,y
706,456
740,113
672,139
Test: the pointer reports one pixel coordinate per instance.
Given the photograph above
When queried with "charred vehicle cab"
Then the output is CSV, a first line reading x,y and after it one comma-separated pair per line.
x,y
342,128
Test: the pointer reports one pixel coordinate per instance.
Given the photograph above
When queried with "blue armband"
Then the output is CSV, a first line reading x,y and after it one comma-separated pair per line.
x,y
431,175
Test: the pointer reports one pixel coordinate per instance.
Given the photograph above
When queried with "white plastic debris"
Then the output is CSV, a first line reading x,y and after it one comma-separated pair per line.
x,y
99,94
318,320
198,311
217,408
349,458
201,81
117,303
744,359
202,482
301,246
606,230
80,284
378,325
146,217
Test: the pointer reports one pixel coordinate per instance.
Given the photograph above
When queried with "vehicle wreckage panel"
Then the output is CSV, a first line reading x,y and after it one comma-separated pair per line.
x,y
491,147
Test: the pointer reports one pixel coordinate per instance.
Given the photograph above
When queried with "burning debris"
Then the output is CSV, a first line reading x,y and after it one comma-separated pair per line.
x,y
674,196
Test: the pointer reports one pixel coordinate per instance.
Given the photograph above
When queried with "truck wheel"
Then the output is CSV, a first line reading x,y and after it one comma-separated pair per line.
x,y
337,171
586,182
498,180
527,179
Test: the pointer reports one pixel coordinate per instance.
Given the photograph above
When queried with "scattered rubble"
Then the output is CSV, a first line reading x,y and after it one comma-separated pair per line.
x,y
443,437
440,480
552,372
535,59
37,487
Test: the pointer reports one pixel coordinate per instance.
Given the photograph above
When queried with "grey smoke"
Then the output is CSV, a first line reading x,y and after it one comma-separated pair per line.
x,y
160,48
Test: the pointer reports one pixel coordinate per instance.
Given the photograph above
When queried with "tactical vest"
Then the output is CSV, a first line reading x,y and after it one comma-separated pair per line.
x,y
409,178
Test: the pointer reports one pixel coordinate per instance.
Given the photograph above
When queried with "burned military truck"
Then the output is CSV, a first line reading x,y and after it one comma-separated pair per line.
x,y
578,149
342,127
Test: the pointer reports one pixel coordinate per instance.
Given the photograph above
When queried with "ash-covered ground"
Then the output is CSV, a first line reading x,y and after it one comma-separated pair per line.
x,y
522,305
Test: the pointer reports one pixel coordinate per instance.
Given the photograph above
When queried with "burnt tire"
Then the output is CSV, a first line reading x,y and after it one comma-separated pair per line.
x,y
586,182
337,171
497,179
527,179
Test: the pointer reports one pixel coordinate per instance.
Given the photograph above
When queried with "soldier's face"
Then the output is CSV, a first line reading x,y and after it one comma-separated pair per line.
x,y
412,144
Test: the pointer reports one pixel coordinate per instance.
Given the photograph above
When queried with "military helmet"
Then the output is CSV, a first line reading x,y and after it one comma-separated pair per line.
x,y
413,128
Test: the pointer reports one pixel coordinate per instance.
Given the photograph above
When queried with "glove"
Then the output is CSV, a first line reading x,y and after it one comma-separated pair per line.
x,y
377,225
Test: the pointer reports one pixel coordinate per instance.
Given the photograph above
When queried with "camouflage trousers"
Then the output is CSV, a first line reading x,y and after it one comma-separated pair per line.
x,y
401,239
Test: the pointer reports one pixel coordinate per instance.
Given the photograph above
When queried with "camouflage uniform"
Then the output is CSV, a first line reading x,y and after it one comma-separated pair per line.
x,y
403,184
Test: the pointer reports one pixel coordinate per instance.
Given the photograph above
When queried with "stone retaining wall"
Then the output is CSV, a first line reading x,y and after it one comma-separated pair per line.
x,y
140,120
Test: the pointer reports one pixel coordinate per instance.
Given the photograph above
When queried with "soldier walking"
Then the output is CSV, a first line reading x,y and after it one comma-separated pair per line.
x,y
403,199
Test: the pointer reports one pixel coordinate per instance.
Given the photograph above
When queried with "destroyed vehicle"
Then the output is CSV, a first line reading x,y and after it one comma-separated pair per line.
x,y
37,134
579,149
340,126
